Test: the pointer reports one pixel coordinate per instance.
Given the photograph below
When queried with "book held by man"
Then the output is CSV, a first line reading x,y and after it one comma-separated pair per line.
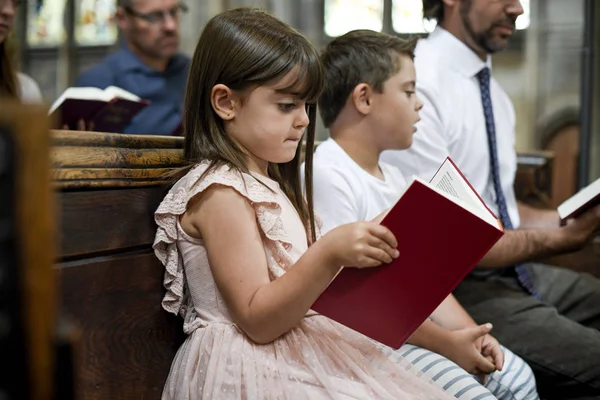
x,y
443,230
581,201
108,110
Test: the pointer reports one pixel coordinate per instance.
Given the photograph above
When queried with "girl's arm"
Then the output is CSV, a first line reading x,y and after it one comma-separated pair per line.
x,y
266,309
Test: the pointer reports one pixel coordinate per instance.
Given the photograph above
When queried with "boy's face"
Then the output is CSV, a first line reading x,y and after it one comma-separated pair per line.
x,y
395,110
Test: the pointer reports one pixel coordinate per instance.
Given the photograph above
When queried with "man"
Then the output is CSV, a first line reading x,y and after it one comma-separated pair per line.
x,y
548,316
148,64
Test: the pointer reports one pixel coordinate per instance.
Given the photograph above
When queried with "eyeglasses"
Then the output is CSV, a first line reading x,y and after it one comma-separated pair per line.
x,y
156,17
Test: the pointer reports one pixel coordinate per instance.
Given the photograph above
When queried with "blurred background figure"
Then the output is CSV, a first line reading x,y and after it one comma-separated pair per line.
x,y
13,84
148,63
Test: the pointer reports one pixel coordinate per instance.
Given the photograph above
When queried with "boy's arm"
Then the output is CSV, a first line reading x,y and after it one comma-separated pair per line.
x,y
451,315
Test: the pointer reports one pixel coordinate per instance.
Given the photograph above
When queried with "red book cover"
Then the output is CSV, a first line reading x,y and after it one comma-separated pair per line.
x,y
72,110
116,115
439,242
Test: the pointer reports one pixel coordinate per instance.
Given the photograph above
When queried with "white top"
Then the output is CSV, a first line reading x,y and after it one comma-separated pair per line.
x,y
344,192
452,120
29,91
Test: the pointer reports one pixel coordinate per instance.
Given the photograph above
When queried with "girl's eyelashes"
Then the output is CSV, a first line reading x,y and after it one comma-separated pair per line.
x,y
287,107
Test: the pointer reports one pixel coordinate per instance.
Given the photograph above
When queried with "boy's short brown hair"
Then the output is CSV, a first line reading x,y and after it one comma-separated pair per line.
x,y
433,9
360,56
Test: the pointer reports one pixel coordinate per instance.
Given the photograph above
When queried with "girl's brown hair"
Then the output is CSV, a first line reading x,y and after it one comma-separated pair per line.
x,y
8,76
245,48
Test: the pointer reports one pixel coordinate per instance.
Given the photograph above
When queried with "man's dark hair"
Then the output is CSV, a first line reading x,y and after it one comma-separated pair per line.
x,y
125,3
433,9
360,56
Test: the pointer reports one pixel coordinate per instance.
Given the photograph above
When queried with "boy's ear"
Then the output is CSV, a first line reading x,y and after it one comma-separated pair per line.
x,y
362,98
224,101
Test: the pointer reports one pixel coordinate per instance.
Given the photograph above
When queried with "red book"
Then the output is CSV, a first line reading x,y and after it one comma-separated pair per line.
x,y
580,202
109,110
443,230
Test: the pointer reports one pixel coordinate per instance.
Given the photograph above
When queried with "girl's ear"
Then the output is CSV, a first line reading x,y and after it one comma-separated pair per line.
x,y
362,98
223,101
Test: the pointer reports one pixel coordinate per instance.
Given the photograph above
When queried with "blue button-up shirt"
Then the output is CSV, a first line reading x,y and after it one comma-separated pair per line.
x,y
164,90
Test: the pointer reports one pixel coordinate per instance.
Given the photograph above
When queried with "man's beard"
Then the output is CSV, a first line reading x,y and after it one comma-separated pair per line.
x,y
484,40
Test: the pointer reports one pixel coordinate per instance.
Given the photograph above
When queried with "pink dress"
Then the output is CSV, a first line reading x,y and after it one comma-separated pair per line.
x,y
317,359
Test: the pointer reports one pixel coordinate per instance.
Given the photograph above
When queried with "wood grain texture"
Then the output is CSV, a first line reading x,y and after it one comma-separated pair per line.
x,y
96,221
118,140
128,341
109,157
105,160
36,229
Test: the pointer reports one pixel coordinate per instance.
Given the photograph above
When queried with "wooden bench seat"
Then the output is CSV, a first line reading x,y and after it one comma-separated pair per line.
x,y
110,283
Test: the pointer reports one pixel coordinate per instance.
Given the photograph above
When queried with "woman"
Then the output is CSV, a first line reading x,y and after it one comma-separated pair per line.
x,y
13,84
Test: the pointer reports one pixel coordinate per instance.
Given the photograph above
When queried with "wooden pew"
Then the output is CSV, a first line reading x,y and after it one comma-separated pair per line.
x,y
533,181
108,187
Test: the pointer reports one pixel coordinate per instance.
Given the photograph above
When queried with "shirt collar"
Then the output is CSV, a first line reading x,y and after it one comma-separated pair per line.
x,y
129,61
459,55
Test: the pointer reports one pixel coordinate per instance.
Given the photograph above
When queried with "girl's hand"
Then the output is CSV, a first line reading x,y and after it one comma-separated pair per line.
x,y
360,245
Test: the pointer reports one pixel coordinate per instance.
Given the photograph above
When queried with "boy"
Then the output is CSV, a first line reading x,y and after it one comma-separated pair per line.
x,y
369,105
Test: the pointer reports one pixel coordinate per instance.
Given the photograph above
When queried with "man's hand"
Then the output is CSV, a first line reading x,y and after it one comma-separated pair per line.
x,y
579,231
81,126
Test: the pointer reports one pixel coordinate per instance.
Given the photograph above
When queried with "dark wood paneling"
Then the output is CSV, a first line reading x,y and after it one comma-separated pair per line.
x,y
128,341
107,220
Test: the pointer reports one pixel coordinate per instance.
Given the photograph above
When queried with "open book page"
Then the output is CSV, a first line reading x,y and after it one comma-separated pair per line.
x,y
449,180
115,91
580,199
81,93
92,93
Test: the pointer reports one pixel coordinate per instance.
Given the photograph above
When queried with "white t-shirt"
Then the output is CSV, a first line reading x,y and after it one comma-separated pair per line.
x,y
453,124
29,91
344,192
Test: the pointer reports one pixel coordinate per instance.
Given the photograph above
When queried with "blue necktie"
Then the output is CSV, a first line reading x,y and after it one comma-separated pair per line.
x,y
490,125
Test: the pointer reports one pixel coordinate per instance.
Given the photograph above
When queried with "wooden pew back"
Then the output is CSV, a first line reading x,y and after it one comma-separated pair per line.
x,y
108,187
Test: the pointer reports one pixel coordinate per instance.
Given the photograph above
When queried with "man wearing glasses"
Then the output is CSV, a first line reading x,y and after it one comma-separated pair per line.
x,y
148,64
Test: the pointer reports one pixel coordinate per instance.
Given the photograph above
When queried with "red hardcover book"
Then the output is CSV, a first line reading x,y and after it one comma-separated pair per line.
x,y
443,230
109,110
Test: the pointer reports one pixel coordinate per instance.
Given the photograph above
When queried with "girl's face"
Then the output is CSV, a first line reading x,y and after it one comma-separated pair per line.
x,y
269,124
8,11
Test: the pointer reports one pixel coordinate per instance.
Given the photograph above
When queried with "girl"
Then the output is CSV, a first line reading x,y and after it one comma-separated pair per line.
x,y
13,84
234,233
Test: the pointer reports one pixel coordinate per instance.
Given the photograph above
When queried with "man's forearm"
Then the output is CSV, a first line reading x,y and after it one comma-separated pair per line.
x,y
522,245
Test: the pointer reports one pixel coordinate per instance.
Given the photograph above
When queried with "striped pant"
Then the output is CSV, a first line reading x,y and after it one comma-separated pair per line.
x,y
514,382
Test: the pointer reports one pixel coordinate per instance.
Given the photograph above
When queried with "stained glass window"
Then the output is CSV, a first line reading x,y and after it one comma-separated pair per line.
x,y
342,16
95,22
407,17
45,22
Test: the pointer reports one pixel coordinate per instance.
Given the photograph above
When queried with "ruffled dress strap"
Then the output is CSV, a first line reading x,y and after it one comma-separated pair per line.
x,y
261,197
